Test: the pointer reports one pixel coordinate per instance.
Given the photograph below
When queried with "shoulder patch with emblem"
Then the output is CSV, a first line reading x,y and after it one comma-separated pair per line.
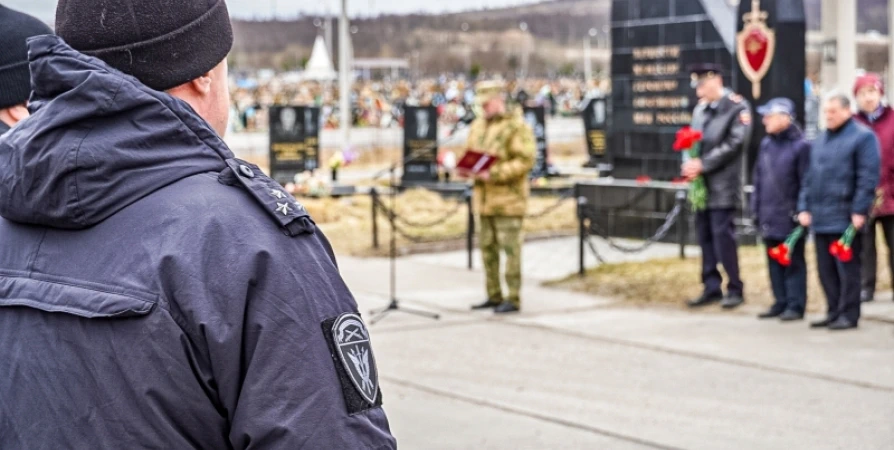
x,y
745,117
355,364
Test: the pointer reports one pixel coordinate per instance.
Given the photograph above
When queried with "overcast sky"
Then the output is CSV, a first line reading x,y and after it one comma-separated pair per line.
x,y
45,9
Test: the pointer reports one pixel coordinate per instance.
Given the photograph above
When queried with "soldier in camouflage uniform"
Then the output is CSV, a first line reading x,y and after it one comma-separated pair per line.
x,y
501,194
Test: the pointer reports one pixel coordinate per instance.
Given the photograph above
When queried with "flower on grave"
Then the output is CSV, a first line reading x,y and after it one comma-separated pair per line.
x,y
337,160
447,160
842,249
782,253
689,140
643,179
349,156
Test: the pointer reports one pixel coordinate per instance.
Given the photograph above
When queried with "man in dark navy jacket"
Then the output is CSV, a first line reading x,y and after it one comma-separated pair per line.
x,y
781,165
839,191
156,292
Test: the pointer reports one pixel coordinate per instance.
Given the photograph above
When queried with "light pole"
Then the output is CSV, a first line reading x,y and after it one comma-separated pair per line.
x,y
467,49
344,76
523,26
588,59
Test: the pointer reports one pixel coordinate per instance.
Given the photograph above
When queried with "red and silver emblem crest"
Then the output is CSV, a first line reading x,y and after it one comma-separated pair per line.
x,y
756,45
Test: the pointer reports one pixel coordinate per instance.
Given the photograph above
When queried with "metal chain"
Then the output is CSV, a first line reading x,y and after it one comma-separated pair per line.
x,y
561,201
417,239
662,232
440,220
423,240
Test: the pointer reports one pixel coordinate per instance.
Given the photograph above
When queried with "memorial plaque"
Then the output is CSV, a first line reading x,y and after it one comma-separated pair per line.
x,y
653,43
420,144
535,117
294,141
595,116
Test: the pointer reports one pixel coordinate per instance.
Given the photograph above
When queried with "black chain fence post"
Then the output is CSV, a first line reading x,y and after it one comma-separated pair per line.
x,y
582,232
374,196
683,225
470,231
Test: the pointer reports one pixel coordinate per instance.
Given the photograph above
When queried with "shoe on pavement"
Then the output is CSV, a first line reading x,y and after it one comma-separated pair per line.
x,y
732,301
842,324
789,316
822,323
867,296
486,305
704,300
506,308
770,314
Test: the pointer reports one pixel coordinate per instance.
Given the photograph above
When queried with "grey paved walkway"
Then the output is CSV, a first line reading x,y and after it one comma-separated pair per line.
x,y
581,372
556,258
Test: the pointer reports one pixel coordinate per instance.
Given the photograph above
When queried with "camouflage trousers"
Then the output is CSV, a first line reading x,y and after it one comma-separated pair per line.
x,y
501,234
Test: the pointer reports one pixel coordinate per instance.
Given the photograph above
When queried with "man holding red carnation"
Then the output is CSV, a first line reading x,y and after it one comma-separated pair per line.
x,y
780,167
836,197
716,178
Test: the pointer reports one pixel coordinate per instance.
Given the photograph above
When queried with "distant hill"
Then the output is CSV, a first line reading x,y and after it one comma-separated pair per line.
x,y
492,39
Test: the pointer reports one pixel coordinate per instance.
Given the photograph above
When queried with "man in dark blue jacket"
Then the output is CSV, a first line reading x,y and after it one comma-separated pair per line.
x,y
839,191
156,292
781,165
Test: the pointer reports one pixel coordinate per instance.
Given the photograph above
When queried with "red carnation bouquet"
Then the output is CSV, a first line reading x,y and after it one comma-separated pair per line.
x,y
782,253
841,248
689,140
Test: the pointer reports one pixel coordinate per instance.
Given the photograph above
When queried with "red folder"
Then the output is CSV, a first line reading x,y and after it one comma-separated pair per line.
x,y
475,162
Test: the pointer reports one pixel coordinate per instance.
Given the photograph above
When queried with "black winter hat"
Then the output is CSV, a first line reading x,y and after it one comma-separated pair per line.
x,y
15,79
163,43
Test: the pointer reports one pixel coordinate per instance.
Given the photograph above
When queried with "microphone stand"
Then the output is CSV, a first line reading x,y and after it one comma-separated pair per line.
x,y
394,305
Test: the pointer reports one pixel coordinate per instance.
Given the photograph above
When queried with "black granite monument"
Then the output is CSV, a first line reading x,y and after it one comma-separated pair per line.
x,y
770,51
535,117
420,145
595,116
294,141
653,43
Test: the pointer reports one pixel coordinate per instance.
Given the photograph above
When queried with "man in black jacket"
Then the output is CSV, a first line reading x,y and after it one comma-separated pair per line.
x,y
726,127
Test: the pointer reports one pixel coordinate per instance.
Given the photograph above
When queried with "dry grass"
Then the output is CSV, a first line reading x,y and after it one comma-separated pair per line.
x,y
671,280
348,225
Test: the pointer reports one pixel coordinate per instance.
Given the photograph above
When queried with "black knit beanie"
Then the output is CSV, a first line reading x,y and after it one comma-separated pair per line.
x,y
163,43
15,79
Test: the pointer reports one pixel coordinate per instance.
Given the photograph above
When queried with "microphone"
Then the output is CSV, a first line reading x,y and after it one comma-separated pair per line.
x,y
465,120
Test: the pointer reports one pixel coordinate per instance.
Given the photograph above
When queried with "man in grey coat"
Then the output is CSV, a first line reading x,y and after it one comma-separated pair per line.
x,y
726,127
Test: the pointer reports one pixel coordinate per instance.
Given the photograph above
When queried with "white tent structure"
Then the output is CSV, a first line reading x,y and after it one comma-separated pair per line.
x,y
319,66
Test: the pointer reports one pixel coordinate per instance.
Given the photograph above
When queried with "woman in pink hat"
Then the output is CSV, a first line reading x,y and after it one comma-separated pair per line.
x,y
869,91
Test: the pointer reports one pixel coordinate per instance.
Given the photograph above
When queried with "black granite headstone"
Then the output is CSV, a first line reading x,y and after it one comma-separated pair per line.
x,y
653,42
420,144
595,116
294,141
535,117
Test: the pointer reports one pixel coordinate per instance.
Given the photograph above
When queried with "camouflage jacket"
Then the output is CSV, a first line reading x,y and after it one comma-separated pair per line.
x,y
511,140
